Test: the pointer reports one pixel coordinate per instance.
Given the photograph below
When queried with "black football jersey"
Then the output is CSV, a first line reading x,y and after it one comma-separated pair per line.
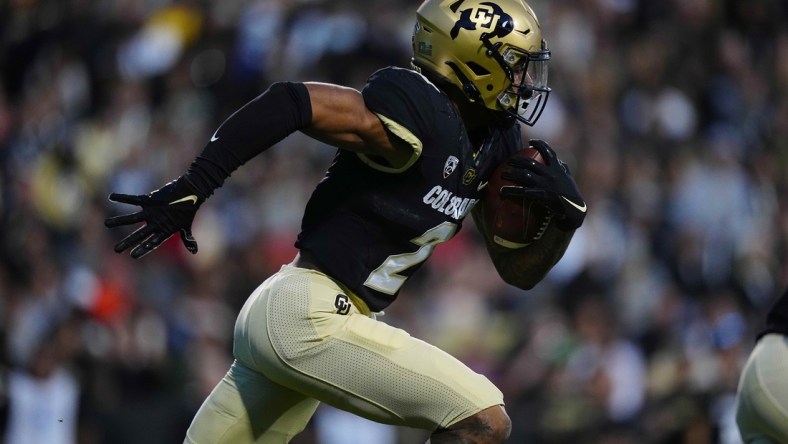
x,y
370,226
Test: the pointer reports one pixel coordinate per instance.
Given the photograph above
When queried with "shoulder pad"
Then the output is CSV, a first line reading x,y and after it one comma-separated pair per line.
x,y
406,97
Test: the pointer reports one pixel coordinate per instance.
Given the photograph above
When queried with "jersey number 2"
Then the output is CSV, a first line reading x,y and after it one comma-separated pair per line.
x,y
386,278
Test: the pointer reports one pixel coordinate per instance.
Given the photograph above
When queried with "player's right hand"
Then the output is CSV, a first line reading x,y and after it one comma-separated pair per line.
x,y
165,211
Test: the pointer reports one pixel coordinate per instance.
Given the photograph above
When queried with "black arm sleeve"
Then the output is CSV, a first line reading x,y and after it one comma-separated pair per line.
x,y
273,115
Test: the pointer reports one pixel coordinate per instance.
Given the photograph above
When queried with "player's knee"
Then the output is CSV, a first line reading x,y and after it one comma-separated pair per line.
x,y
490,426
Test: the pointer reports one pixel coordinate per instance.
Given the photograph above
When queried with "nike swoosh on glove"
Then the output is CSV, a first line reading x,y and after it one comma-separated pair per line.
x,y
550,183
165,211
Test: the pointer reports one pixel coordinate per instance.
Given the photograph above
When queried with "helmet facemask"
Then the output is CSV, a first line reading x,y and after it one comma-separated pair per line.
x,y
527,94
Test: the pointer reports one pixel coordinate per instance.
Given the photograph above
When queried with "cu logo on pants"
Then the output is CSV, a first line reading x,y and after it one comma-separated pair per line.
x,y
342,303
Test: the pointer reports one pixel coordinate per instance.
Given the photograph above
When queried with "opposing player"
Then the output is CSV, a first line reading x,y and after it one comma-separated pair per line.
x,y
416,148
762,397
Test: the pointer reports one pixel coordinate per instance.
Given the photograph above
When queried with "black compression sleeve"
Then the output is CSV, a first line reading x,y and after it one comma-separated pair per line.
x,y
273,115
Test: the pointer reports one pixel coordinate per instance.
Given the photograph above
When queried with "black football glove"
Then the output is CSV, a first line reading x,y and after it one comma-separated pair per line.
x,y
165,211
550,183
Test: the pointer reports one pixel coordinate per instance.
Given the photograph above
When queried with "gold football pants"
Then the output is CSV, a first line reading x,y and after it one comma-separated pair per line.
x,y
300,339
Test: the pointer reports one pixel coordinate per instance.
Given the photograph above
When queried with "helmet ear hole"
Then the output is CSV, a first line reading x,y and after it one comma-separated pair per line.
x,y
477,69
490,87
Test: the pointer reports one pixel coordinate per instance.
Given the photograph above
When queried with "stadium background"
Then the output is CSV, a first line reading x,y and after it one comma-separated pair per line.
x,y
673,115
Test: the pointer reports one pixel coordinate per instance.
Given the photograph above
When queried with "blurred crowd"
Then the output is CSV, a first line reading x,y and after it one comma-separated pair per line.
x,y
672,114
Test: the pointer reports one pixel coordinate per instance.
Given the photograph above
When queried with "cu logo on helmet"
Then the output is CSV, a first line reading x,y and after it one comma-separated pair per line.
x,y
487,16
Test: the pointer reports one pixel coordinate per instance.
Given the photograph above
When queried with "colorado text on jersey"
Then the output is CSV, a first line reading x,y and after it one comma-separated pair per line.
x,y
447,203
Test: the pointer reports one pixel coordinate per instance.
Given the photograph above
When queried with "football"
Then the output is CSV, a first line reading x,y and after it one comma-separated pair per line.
x,y
514,222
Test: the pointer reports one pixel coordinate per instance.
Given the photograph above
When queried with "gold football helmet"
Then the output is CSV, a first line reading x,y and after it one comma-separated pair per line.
x,y
492,50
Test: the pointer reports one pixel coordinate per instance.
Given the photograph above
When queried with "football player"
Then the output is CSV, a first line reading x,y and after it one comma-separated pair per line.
x,y
416,148
762,397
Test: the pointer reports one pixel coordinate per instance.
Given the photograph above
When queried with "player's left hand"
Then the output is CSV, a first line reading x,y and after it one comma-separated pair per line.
x,y
550,183
165,211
